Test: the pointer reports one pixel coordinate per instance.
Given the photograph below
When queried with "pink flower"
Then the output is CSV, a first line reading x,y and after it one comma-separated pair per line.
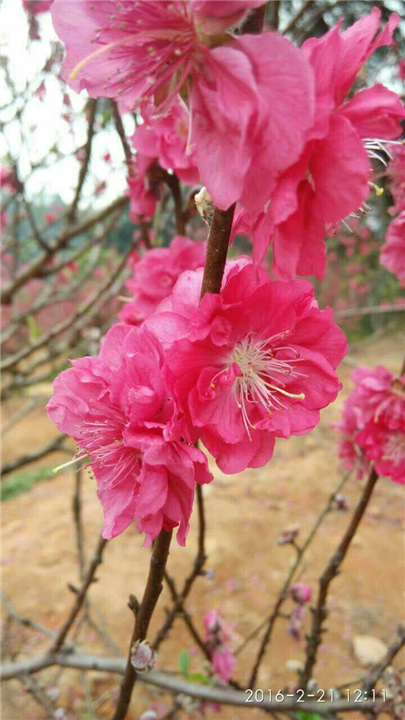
x,y
7,179
401,69
4,218
373,424
392,254
155,275
36,7
143,194
385,448
251,364
165,139
330,180
301,593
117,409
247,124
217,638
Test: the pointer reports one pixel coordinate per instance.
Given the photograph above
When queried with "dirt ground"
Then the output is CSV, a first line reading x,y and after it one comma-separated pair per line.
x,y
245,514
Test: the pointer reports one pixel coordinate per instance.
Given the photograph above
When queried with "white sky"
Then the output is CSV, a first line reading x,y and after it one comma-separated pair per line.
x,y
42,124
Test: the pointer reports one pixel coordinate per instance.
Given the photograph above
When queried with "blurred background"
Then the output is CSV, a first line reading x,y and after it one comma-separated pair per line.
x,y
68,247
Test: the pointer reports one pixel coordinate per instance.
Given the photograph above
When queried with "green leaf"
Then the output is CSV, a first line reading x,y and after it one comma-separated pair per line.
x,y
199,678
33,328
22,482
307,716
184,662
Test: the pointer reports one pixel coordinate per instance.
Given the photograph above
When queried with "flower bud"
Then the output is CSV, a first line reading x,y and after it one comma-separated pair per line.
x,y
288,535
143,657
301,593
205,206
341,503
149,715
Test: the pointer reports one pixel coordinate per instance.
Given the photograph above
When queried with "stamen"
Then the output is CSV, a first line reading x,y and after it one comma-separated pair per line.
x,y
69,463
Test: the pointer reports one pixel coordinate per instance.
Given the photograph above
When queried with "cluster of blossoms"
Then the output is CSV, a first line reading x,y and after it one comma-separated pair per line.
x,y
256,361
372,429
393,251
155,275
245,366
217,639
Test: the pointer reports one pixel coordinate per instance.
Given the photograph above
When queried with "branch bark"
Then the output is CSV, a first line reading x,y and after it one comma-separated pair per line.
x,y
151,595
88,580
83,661
319,613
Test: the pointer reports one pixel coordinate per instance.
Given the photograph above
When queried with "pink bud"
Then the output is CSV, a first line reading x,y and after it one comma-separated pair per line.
x,y
288,535
143,657
301,593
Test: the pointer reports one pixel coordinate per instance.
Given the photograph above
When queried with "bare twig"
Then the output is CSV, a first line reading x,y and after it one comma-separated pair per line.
x,y
179,598
78,520
92,108
53,446
301,550
175,685
35,268
291,25
319,613
217,249
154,586
88,580
393,650
370,310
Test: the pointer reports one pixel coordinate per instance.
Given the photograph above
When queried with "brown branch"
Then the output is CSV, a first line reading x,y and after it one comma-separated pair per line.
x,y
319,613
84,661
80,597
61,327
271,619
179,598
217,249
291,25
53,446
91,108
275,14
173,183
370,310
393,650
78,520
121,132
254,21
154,586
36,267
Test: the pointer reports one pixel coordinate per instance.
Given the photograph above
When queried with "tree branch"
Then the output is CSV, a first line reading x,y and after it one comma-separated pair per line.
x,y
41,452
88,580
84,661
330,572
151,595
217,249
301,550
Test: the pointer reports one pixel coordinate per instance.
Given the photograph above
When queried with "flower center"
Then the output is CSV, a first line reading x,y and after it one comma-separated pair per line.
x,y
394,448
261,382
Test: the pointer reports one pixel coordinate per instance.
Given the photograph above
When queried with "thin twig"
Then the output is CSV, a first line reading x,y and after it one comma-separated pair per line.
x,y
55,445
376,672
301,550
179,598
154,586
291,25
81,595
172,684
319,613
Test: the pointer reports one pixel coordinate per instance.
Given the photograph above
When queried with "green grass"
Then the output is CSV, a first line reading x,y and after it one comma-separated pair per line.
x,y
22,482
